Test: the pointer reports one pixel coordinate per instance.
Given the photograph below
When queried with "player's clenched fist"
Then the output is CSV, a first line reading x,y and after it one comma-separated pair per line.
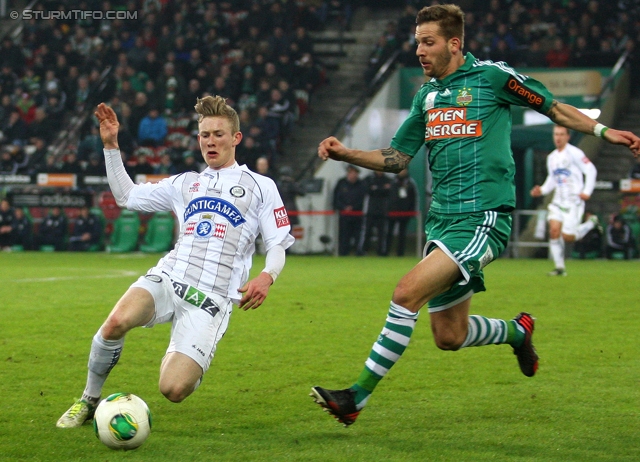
x,y
331,148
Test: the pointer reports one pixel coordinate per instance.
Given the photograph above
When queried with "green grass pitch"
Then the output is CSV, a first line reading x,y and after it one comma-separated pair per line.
x,y
316,328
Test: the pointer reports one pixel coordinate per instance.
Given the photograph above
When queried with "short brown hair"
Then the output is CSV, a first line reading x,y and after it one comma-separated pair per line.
x,y
450,19
216,106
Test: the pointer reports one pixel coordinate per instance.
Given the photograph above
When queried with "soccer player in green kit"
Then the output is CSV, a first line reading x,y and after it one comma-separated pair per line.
x,y
462,114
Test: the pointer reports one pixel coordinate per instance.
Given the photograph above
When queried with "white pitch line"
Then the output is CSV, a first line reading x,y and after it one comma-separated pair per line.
x,y
119,274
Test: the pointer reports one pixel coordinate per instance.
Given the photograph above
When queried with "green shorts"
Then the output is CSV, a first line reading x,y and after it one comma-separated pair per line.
x,y
472,241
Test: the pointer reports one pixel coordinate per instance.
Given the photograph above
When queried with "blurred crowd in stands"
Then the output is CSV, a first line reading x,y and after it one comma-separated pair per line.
x,y
528,33
257,53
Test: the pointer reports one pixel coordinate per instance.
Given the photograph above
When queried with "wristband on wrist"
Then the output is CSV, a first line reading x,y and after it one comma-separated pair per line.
x,y
599,130
271,273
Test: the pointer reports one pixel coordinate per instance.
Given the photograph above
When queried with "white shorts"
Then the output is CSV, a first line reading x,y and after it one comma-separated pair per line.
x,y
199,320
570,216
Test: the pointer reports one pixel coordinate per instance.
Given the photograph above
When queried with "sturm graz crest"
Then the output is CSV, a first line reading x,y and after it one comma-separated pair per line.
x,y
237,191
204,228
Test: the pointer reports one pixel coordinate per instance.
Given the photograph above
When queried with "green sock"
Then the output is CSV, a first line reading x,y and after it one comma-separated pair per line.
x,y
515,334
364,386
391,343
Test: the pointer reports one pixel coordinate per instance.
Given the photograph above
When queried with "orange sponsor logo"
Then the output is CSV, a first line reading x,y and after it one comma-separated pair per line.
x,y
451,122
530,96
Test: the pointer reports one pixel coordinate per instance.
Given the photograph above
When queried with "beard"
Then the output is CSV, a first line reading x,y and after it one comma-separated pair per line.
x,y
440,63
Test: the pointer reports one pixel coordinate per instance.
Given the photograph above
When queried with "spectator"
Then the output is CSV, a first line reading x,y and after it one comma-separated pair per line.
x,y
151,66
15,131
53,230
249,152
152,129
172,98
581,56
402,201
21,159
126,93
139,110
378,186
635,170
38,158
8,78
26,106
281,110
22,230
8,165
71,164
95,166
166,166
503,34
534,56
289,191
42,127
90,144
348,200
559,55
6,224
619,239
263,168
6,108
87,231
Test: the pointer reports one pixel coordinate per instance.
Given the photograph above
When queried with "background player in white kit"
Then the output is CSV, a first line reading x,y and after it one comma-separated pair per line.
x,y
572,176
221,211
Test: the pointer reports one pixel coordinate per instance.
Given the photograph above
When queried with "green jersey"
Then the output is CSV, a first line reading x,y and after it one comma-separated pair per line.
x,y
465,122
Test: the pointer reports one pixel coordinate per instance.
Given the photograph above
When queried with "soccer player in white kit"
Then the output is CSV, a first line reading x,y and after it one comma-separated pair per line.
x,y
572,176
221,212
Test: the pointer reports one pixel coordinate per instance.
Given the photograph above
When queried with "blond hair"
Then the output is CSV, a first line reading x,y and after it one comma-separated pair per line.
x,y
216,106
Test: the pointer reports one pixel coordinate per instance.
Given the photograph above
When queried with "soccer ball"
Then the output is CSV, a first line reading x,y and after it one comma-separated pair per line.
x,y
122,421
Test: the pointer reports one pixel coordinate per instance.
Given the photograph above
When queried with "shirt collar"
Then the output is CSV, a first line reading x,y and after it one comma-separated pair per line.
x,y
210,171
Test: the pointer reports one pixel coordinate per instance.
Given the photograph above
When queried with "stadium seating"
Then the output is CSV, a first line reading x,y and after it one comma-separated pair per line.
x,y
159,234
125,233
107,202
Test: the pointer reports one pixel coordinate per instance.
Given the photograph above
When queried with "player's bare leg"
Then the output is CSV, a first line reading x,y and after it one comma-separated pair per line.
x,y
452,328
432,276
179,376
135,308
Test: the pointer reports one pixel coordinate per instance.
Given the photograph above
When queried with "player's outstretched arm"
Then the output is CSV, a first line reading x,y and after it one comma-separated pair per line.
x,y
570,117
385,160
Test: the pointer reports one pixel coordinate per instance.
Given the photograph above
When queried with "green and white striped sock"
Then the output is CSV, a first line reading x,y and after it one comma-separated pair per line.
x,y
487,331
391,343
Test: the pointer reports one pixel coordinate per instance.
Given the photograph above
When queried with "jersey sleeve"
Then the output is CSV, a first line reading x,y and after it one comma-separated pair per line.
x,y
587,168
550,182
518,89
409,137
152,197
274,220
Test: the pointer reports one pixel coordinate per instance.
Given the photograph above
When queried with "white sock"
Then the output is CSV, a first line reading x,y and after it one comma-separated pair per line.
x,y
584,228
485,331
556,246
104,355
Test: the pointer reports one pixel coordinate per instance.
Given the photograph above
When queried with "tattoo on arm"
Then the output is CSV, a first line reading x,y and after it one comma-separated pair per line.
x,y
553,110
394,160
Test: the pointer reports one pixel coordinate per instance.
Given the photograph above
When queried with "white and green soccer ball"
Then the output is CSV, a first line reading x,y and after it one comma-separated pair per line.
x,y
122,421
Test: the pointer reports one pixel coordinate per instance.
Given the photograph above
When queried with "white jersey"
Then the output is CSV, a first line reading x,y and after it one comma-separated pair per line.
x,y
570,173
221,212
